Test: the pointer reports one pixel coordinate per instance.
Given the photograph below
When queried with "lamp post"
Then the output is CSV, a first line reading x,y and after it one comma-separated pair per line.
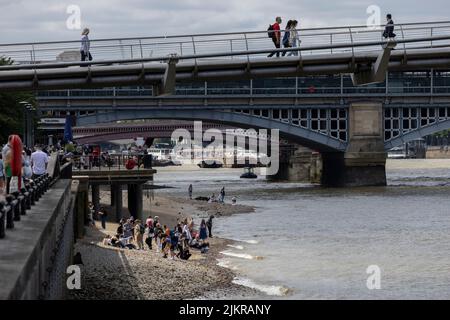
x,y
28,130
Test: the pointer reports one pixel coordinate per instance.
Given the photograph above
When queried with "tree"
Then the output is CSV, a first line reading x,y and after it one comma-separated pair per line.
x,y
12,112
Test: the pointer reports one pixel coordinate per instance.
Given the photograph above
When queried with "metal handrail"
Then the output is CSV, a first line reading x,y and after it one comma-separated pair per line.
x,y
218,34
218,55
38,53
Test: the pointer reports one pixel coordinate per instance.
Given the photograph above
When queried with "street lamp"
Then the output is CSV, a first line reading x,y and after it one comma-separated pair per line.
x,y
28,133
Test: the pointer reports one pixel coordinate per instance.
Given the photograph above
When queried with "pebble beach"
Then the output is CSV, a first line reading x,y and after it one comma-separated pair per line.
x,y
110,273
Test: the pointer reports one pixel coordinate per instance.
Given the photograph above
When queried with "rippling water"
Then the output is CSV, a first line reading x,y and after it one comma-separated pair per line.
x,y
307,242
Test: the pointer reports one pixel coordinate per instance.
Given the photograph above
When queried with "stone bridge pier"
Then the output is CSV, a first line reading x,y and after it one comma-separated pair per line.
x,y
364,161
362,164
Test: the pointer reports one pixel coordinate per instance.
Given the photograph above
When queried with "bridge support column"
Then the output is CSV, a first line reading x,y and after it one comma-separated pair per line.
x,y
113,194
363,163
135,200
96,196
116,190
297,163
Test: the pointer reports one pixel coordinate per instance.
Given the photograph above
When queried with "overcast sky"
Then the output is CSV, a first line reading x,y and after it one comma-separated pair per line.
x,y
38,20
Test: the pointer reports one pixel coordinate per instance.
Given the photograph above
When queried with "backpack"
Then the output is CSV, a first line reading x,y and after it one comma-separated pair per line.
x,y
141,229
270,32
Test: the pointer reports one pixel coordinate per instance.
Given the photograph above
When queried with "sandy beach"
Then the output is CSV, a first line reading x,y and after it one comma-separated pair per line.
x,y
112,273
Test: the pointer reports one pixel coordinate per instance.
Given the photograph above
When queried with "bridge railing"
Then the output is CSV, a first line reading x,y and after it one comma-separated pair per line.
x,y
112,162
215,43
426,82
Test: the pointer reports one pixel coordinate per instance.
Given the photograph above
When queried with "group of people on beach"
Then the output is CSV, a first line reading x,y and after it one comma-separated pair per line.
x,y
213,198
172,243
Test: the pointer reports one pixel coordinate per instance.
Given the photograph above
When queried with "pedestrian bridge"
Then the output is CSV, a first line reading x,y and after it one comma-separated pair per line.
x,y
161,62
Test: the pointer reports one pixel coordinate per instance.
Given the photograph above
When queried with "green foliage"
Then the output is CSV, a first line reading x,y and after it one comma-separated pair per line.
x,y
11,111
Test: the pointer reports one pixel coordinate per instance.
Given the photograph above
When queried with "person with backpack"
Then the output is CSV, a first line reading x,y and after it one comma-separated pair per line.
x,y
389,29
294,39
275,34
287,37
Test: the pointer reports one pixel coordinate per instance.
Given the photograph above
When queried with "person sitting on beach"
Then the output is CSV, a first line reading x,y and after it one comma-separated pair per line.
x,y
183,248
213,198
119,230
127,229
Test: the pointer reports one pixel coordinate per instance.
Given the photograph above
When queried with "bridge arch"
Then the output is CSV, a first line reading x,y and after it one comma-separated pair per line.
x,y
421,132
305,137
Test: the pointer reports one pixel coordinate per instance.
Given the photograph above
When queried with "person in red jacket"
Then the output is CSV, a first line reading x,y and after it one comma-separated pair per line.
x,y
276,36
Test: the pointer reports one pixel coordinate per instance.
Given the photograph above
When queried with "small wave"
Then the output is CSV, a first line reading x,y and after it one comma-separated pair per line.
x,y
247,241
235,247
241,255
279,291
226,263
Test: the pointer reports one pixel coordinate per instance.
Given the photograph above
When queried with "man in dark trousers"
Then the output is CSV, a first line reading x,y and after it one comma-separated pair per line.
x,y
389,29
209,225
276,36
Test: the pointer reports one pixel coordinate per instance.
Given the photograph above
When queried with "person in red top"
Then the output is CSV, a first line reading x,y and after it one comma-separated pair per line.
x,y
276,36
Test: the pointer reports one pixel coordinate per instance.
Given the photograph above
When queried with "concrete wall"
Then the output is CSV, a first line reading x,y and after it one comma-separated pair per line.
x,y
437,153
34,256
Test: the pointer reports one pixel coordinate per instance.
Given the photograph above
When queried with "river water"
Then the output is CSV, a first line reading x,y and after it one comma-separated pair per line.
x,y
308,242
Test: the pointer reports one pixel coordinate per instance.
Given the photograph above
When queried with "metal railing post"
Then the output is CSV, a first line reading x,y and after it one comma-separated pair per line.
x,y
140,47
353,48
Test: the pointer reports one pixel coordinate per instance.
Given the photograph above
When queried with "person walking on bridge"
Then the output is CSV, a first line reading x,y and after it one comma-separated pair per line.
x,y
293,38
275,33
85,49
287,36
389,29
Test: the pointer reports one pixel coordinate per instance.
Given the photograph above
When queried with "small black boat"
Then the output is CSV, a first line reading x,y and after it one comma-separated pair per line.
x,y
249,174
210,165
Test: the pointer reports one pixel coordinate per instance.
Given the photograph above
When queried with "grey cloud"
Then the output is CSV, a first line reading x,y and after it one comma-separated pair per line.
x,y
37,20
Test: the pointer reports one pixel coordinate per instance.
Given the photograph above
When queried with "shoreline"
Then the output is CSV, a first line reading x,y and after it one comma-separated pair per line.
x,y
113,273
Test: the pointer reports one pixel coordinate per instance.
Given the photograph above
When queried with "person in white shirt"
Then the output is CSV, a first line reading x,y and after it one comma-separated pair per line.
x,y
39,162
293,38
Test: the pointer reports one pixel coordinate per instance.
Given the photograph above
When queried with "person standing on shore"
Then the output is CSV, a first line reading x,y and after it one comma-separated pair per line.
x,y
150,233
209,224
103,215
222,195
203,234
190,191
139,231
